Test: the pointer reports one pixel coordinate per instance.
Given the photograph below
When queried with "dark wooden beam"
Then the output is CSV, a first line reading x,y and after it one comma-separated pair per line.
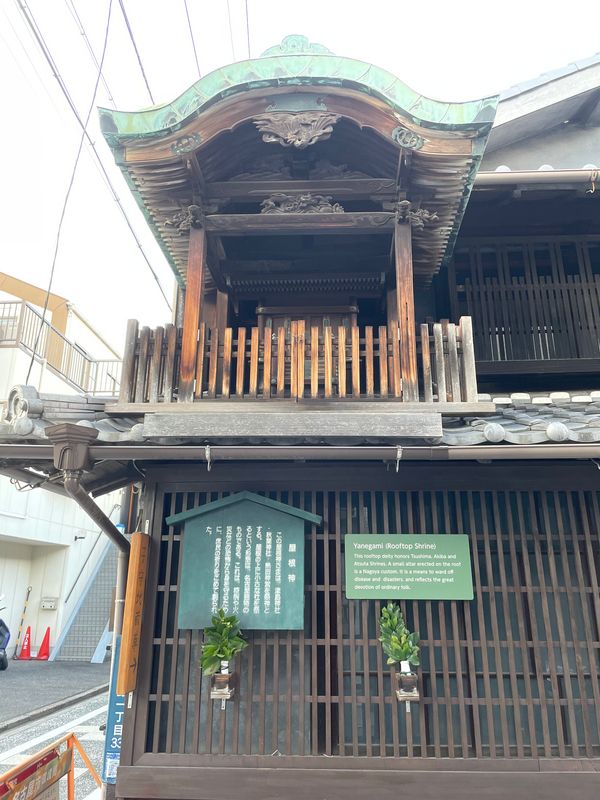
x,y
519,781
191,313
337,187
284,224
554,366
216,253
317,263
195,169
406,310
243,278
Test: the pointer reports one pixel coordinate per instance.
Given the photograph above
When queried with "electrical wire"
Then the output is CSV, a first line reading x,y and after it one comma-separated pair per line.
x,y
68,192
29,60
30,19
121,3
187,13
73,11
247,28
230,31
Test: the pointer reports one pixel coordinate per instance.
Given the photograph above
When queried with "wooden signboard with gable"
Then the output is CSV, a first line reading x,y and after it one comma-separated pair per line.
x,y
132,615
244,554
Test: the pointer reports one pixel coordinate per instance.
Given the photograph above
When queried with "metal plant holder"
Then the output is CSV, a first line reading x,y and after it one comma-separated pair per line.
x,y
407,687
222,686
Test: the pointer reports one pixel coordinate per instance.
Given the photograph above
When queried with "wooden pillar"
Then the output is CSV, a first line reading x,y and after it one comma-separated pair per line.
x,y
222,311
406,311
391,305
191,314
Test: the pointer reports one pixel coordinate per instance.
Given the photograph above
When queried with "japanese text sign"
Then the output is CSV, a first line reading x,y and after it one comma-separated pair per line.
x,y
114,724
132,615
244,554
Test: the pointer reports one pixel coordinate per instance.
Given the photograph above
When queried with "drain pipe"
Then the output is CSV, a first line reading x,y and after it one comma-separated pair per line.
x,y
71,455
538,177
74,489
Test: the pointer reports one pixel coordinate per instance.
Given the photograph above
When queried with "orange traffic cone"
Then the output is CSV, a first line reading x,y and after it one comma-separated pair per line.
x,y
44,650
25,654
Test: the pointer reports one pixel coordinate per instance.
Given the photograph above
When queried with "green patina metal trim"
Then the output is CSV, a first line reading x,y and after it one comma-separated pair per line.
x,y
296,62
238,497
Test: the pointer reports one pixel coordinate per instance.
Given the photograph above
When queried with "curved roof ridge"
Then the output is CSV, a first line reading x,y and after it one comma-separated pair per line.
x,y
296,62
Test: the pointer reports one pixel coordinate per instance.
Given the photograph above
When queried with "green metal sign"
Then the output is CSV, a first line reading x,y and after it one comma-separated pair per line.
x,y
419,567
244,554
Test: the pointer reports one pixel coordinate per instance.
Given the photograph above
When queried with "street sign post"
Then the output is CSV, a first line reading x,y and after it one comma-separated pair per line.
x,y
114,724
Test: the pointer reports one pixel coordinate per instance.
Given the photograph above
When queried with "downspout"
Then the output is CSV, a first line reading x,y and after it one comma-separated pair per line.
x,y
74,489
71,455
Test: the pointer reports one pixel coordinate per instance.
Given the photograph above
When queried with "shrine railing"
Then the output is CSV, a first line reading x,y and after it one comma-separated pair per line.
x,y
300,363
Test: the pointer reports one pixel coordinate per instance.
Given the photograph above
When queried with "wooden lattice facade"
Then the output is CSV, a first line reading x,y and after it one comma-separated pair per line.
x,y
508,680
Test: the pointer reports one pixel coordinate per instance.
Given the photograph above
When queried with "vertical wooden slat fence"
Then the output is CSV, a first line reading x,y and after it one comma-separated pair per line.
x,y
514,673
301,363
530,299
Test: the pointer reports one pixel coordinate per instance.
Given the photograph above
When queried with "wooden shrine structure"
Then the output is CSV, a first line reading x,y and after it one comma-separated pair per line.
x,y
336,344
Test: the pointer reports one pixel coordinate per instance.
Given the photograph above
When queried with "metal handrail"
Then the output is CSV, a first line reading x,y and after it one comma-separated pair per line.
x,y
20,327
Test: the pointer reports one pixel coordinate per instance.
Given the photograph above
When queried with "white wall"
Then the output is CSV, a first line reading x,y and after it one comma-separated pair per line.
x,y
14,365
15,569
79,332
38,549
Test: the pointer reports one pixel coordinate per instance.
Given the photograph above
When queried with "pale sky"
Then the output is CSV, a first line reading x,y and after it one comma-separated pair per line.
x,y
447,50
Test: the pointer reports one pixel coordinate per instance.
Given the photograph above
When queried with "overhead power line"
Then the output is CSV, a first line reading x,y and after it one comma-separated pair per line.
x,y
230,31
68,192
187,13
137,52
29,18
247,28
73,11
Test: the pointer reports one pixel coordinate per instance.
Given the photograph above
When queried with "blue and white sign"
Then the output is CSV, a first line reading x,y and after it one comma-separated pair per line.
x,y
114,724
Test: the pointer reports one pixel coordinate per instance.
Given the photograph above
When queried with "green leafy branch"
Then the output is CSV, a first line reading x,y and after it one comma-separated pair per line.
x,y
398,643
222,641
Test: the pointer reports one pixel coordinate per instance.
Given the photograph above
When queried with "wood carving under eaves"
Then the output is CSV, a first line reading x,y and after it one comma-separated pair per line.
x,y
417,218
299,204
186,144
187,217
296,130
407,139
271,167
324,169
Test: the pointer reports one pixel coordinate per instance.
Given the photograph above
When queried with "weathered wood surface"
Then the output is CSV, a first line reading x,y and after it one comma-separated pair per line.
x,y
283,224
234,405
406,310
302,363
273,424
337,187
191,313
157,782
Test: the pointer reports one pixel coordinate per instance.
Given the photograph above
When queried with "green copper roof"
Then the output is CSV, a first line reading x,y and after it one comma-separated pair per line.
x,y
295,62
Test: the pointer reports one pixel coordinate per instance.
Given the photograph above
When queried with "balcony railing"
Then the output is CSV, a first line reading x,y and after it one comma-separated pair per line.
x,y
300,363
24,327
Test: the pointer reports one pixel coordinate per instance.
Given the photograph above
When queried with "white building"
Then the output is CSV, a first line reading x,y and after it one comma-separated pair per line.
x,y
50,551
